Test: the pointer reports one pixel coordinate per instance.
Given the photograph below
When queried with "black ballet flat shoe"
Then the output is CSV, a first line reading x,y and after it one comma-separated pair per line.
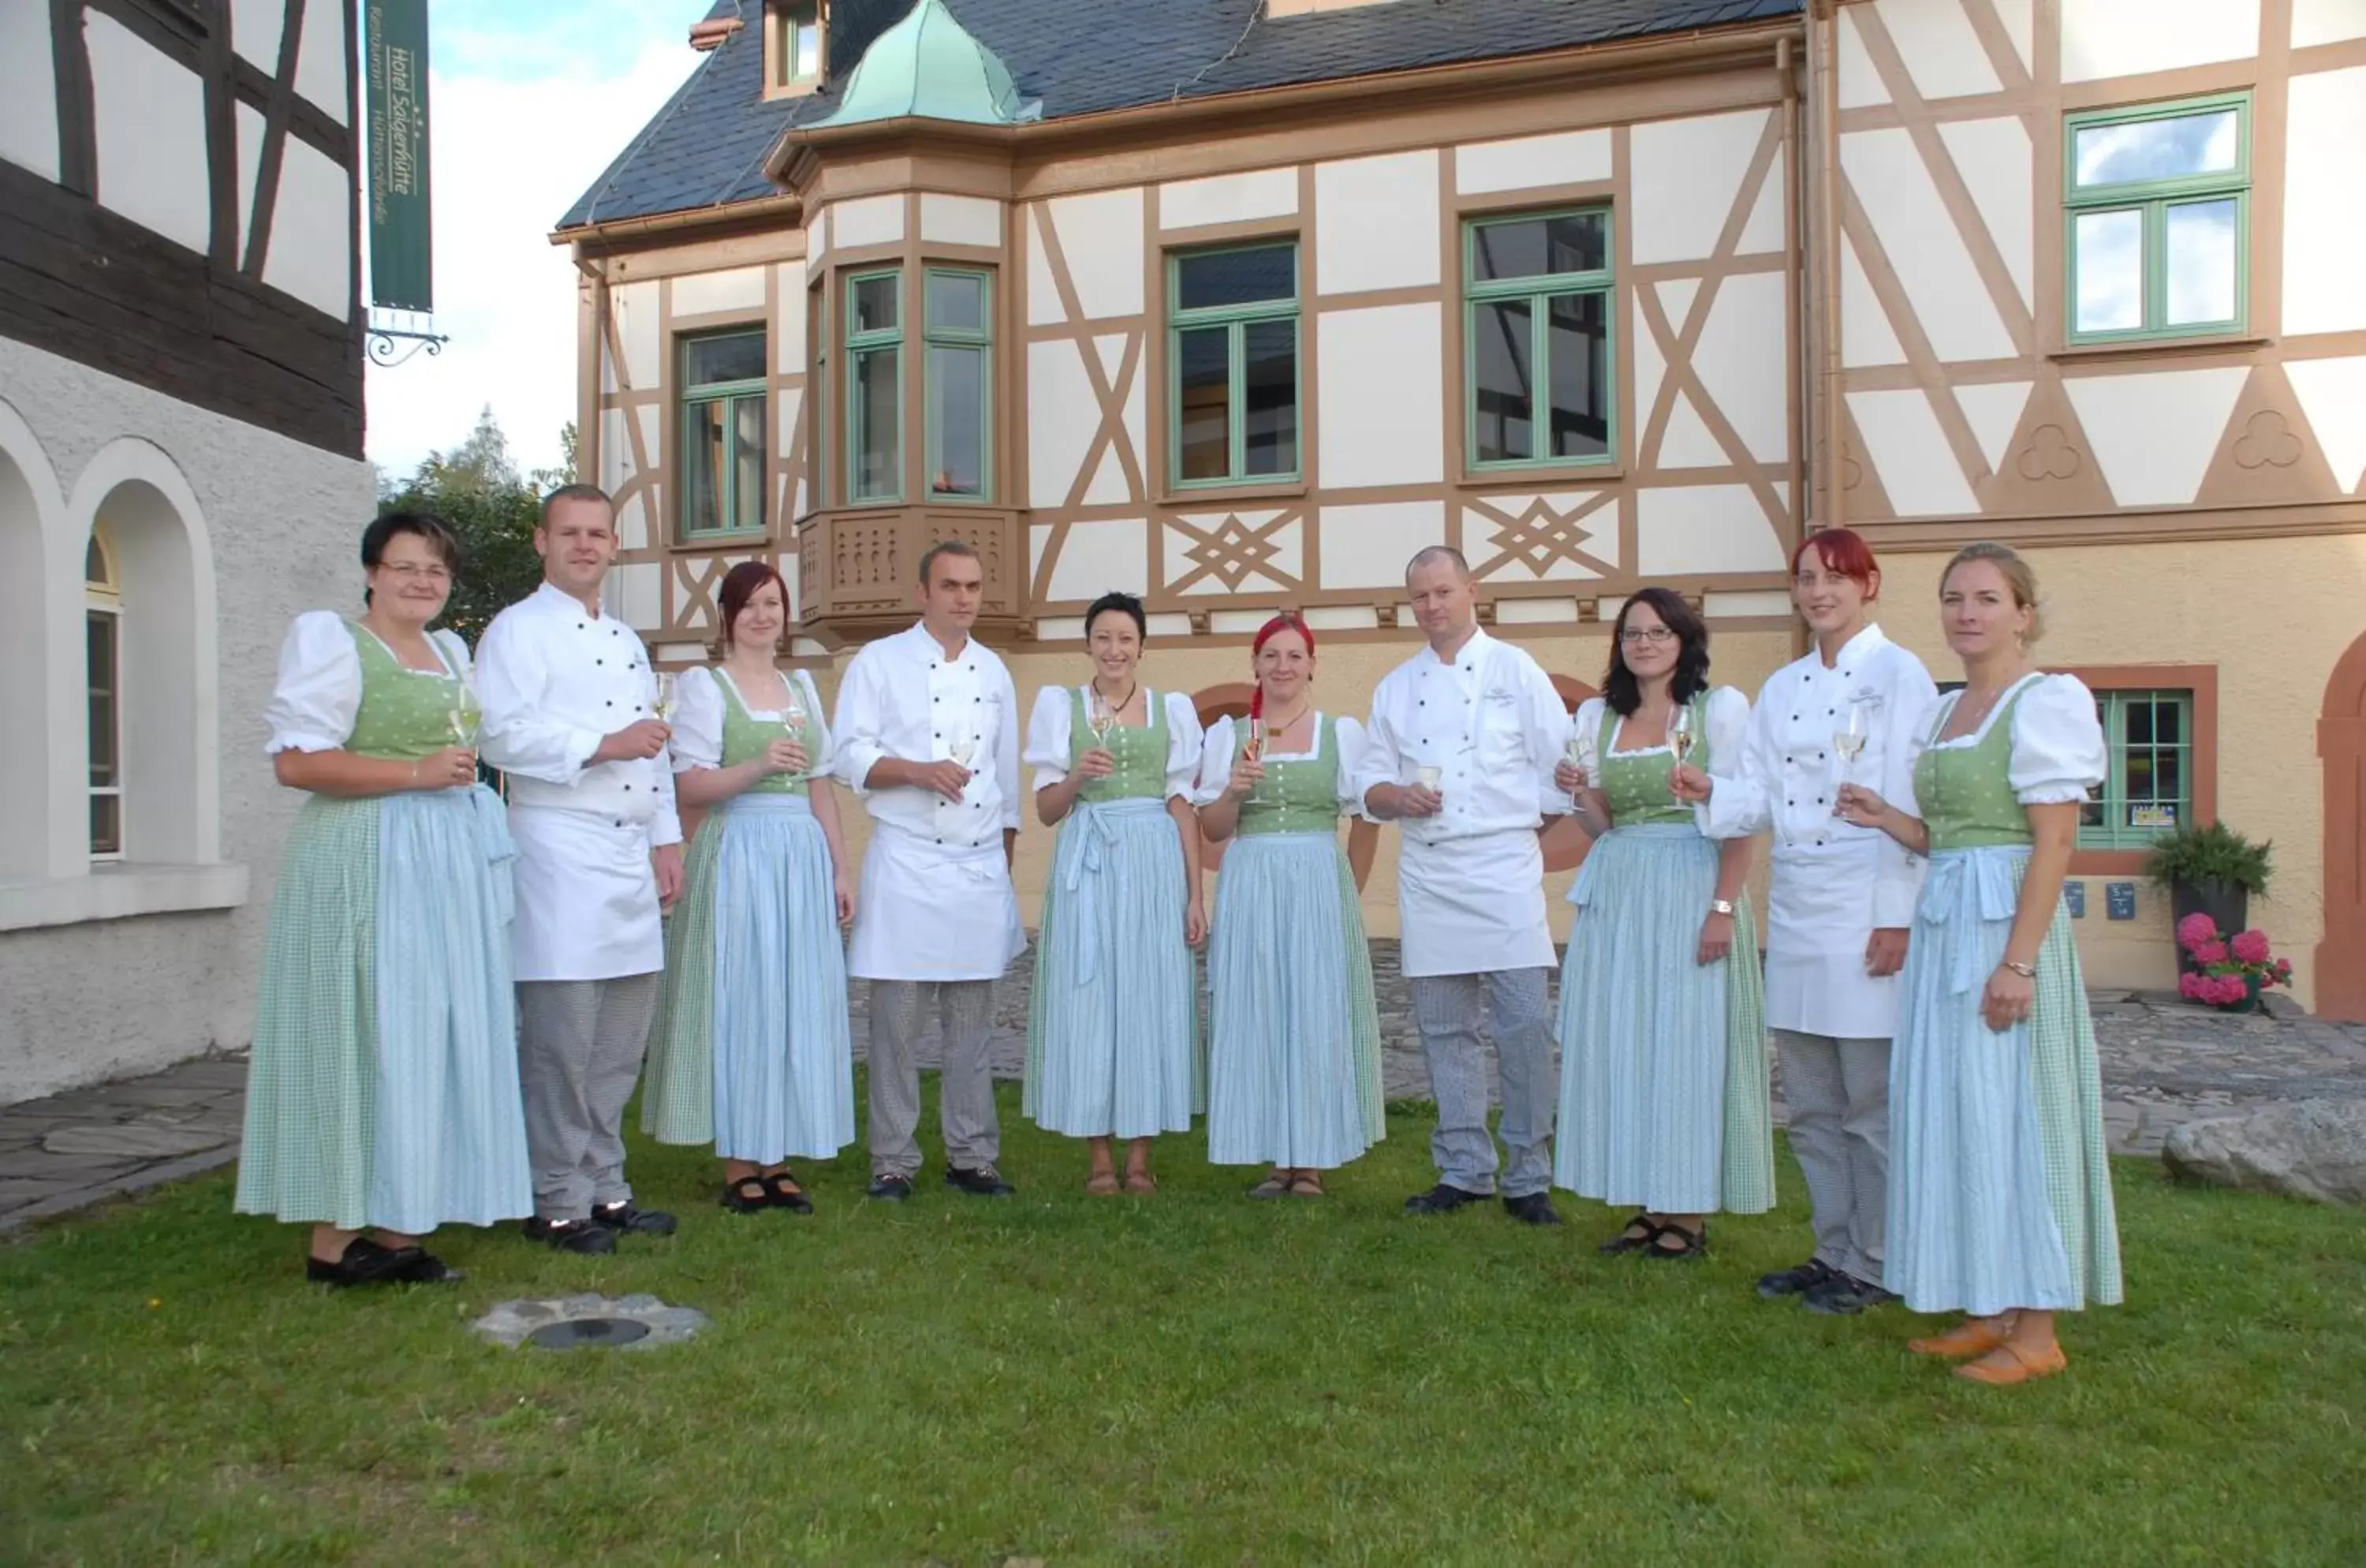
x,y
783,1192
364,1262
626,1220
570,1235
426,1269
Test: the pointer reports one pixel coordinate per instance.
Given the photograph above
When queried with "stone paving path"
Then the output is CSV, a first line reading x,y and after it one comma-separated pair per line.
x,y
2164,1061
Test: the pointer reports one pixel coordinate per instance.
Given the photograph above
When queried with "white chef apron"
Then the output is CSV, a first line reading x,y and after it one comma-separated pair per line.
x,y
1473,906
587,901
1819,918
934,911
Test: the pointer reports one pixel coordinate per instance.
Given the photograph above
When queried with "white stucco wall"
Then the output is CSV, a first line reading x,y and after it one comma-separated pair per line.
x,y
83,1002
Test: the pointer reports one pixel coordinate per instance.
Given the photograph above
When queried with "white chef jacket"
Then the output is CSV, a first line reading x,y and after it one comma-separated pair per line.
x,y
554,680
937,901
1471,895
1833,884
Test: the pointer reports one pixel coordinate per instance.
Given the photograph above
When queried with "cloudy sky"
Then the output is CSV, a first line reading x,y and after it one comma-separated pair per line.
x,y
530,99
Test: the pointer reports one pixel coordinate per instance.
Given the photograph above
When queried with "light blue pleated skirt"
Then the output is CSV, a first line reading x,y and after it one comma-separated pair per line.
x,y
449,1140
1113,1024
783,1058
1644,1028
1293,1063
2000,1187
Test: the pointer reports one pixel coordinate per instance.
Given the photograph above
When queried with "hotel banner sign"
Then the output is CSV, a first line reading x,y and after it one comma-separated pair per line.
x,y
400,236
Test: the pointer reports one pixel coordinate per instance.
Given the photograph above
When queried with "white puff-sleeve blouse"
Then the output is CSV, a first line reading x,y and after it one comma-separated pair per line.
x,y
698,710
1216,760
1049,741
318,694
2059,753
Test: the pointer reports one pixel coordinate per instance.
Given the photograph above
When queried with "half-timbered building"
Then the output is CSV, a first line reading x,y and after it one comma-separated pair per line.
x,y
180,472
1236,303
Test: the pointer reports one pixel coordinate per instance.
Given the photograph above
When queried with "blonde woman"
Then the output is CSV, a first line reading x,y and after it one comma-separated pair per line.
x,y
1999,1192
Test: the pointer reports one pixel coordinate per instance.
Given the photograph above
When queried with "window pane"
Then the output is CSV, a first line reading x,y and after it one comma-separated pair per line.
x,y
739,356
1579,343
805,52
99,649
702,467
1203,403
2139,723
957,419
2200,243
2168,777
1270,350
1537,247
2111,271
873,305
2139,778
1501,348
748,453
94,564
105,825
2167,727
2158,148
1236,278
957,302
878,438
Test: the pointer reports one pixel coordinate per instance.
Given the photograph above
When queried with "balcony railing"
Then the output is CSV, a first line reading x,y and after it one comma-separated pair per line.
x,y
859,569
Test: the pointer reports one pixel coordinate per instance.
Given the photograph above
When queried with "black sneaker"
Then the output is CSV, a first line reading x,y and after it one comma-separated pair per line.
x,y
1845,1295
1532,1209
982,1182
889,1188
1442,1199
1796,1281
570,1235
626,1220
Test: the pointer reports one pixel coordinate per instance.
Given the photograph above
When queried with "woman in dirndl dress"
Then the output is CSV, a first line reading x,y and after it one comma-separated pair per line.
x,y
382,1095
1664,1095
1113,1026
1294,1036
751,1052
2000,1188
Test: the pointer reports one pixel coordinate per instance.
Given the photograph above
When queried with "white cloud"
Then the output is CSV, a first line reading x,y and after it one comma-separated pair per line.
x,y
519,131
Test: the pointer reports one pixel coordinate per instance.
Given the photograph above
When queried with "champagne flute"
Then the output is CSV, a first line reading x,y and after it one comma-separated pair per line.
x,y
664,705
1848,742
962,744
1255,752
1101,719
465,717
1680,742
1572,751
793,719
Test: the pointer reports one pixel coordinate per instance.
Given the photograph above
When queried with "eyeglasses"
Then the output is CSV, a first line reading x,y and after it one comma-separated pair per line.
x,y
1656,636
410,571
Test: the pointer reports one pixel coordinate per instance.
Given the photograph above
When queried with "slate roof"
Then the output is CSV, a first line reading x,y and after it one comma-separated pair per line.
x,y
706,147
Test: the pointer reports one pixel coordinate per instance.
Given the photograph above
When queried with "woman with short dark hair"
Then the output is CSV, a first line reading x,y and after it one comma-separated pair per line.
x,y
1663,1080
751,1052
383,1091
1113,1029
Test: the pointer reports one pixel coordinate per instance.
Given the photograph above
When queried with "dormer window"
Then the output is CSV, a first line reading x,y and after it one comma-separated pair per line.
x,y
793,48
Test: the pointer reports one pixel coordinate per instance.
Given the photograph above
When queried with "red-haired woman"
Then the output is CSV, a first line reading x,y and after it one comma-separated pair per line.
x,y
751,1052
1294,1038
1840,905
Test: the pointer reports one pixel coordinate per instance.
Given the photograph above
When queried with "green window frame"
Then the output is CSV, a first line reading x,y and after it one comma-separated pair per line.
x,y
958,338
1492,440
724,433
2144,250
873,320
2148,735
818,395
1260,445
796,43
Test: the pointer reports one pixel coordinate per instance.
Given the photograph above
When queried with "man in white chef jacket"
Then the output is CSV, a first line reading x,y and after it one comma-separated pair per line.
x,y
571,716
927,733
1460,752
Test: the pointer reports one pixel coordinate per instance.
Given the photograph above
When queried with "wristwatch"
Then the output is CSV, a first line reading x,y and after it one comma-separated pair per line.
x,y
1720,905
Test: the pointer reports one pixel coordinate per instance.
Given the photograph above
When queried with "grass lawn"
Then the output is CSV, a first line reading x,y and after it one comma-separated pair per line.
x,y
1190,1378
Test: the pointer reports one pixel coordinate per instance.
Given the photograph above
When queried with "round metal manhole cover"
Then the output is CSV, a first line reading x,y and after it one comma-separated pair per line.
x,y
576,1333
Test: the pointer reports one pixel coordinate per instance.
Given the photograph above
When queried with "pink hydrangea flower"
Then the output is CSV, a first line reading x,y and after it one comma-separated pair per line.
x,y
2212,951
2231,990
2189,986
2195,930
2251,947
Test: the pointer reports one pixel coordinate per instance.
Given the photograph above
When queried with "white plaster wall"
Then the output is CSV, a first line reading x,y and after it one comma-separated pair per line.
x,y
2128,38
1376,222
150,117
249,168
1860,83
2020,21
867,220
1993,411
636,309
961,221
1523,163
1703,528
1100,238
789,322
284,521
321,57
1228,198
1102,557
2332,392
736,288
29,90
1383,403
1910,451
1741,361
1942,52
1996,160
311,252
1367,546
2155,433
1685,174
1061,418
254,29
2327,21
2324,223
1923,248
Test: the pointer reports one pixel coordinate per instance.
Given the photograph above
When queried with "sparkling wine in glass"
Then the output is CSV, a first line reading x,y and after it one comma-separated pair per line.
x,y
1848,742
664,707
1255,752
962,744
1572,751
1680,741
793,717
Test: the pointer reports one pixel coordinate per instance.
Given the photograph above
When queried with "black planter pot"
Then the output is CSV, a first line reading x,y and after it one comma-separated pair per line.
x,y
2227,904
